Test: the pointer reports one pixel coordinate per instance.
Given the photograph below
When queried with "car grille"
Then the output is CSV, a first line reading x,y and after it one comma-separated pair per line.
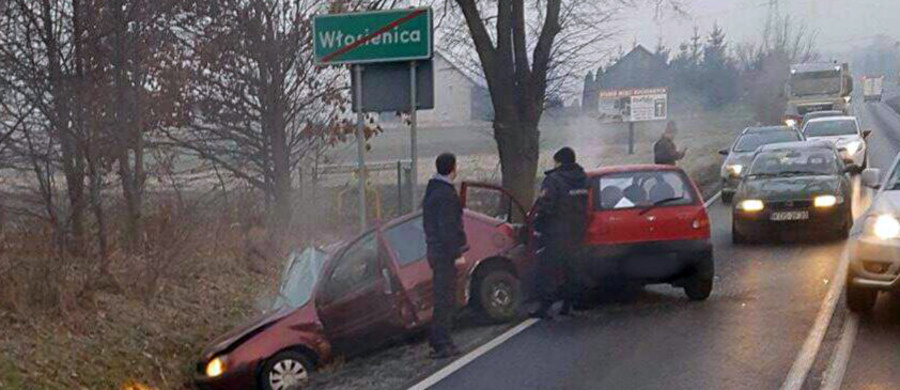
x,y
790,205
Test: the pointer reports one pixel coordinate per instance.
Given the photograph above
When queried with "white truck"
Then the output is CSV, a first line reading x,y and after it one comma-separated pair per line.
x,y
817,87
873,88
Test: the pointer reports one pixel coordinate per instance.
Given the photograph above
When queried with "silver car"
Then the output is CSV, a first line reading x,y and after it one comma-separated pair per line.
x,y
845,134
741,153
875,243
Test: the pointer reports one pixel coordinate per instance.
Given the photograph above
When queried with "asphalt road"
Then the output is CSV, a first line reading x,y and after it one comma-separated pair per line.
x,y
746,336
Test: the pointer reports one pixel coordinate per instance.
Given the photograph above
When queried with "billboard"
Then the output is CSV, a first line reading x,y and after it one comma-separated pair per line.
x,y
633,104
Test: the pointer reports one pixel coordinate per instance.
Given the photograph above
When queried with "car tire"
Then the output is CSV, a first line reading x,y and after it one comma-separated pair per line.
x,y
286,370
727,197
860,300
499,295
736,237
699,285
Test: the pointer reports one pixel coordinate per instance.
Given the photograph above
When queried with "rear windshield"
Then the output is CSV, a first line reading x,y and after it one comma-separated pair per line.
x,y
794,162
642,189
830,128
751,141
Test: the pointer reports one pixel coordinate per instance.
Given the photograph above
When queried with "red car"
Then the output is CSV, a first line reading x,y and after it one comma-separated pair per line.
x,y
359,294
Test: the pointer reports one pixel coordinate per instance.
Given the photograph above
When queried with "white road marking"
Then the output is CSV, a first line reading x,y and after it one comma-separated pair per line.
x,y
475,354
469,357
834,375
807,355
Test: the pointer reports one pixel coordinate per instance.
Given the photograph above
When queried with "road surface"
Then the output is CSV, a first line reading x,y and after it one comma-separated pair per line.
x,y
746,336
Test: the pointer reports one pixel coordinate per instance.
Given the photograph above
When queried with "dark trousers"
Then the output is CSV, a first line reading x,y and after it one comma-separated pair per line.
x,y
444,287
552,261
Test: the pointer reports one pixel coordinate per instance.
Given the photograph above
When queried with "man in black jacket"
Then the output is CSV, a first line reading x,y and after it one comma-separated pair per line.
x,y
446,242
560,225
664,150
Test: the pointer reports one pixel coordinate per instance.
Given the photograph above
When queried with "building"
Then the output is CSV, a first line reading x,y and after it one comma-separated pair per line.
x,y
638,69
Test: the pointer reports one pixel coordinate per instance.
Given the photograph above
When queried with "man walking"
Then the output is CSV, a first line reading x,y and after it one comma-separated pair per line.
x,y
560,224
664,150
446,242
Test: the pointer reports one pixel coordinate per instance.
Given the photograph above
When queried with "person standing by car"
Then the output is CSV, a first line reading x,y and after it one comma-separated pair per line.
x,y
664,150
560,223
445,239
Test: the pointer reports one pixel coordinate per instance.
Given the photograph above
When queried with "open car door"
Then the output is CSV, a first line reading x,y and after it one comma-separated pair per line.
x,y
496,202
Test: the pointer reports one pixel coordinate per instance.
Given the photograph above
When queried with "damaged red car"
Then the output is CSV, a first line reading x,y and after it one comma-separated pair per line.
x,y
362,293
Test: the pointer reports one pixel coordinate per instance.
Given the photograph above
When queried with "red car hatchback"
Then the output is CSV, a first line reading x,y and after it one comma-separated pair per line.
x,y
357,295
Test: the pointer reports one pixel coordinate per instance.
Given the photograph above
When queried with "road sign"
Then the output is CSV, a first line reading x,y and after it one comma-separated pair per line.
x,y
634,104
380,36
648,107
383,87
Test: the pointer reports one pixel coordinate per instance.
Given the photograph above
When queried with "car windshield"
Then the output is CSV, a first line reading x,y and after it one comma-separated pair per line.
x,y
794,162
816,83
299,278
751,141
641,189
830,128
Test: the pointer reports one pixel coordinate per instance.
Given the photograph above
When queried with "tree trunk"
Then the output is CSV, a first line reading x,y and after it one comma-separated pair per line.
x,y
518,144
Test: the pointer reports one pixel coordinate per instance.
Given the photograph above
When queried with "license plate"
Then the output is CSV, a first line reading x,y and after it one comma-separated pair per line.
x,y
790,216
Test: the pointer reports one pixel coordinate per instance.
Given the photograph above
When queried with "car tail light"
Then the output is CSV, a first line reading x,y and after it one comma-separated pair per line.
x,y
700,222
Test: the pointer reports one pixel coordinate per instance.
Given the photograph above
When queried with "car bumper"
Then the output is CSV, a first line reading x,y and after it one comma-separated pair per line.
x,y
875,263
757,223
656,262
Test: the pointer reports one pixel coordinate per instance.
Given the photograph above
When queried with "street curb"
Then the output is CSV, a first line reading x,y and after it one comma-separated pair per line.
x,y
834,375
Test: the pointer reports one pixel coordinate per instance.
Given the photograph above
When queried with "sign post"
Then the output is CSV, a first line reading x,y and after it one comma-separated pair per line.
x,y
375,37
413,144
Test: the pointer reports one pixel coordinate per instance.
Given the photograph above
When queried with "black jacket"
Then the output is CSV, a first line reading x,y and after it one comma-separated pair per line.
x,y
562,207
442,219
664,152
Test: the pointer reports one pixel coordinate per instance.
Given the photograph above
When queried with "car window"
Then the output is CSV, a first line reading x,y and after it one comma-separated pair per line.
x,y
407,241
795,162
627,190
751,141
356,265
830,128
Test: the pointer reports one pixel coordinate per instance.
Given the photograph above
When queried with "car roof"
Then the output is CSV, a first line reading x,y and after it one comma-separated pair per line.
x,y
631,168
767,129
797,145
832,118
824,113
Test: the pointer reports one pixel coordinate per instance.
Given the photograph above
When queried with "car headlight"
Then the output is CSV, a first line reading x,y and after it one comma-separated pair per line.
x,y
735,169
886,227
790,122
825,201
215,367
847,99
751,205
853,147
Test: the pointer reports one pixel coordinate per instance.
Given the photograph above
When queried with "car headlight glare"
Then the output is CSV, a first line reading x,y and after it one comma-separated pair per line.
x,y
825,201
215,367
790,122
853,147
752,205
886,227
735,169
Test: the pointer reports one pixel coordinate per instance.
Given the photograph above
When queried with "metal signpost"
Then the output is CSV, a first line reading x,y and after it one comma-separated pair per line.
x,y
638,105
372,38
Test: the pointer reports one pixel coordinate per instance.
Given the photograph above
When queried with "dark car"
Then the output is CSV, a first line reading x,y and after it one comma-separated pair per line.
x,y
357,295
741,152
792,185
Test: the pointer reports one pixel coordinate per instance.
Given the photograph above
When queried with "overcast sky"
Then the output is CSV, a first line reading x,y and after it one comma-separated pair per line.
x,y
840,24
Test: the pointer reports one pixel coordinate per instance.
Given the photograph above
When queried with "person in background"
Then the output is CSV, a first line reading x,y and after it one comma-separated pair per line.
x,y
445,239
664,150
560,223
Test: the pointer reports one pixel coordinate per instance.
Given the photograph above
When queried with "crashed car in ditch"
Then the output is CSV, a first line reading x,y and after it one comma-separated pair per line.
x,y
360,294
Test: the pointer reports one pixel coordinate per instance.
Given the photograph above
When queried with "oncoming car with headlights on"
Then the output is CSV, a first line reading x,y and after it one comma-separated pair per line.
x,y
741,152
845,134
875,245
793,185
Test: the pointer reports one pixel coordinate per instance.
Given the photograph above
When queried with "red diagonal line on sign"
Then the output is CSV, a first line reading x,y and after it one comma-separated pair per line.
x,y
369,37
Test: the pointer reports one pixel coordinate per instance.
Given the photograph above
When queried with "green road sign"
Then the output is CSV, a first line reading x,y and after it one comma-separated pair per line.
x,y
380,36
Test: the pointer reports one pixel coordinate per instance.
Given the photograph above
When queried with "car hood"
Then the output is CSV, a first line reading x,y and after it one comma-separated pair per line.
x,y
838,139
789,188
742,158
228,341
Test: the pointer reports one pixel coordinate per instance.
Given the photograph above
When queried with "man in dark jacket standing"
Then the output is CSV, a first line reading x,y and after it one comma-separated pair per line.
x,y
446,242
664,150
560,224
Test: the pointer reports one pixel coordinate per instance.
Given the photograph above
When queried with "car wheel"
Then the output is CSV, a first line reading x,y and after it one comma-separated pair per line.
x,y
860,300
736,237
727,197
699,285
499,295
288,370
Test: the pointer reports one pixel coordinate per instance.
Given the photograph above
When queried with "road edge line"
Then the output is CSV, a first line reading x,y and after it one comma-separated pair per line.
x,y
471,356
834,375
807,355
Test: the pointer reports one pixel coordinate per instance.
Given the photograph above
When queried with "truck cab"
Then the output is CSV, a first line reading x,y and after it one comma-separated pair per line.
x,y
818,87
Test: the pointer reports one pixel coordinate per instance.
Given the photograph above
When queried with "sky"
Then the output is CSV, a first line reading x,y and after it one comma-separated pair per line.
x,y
840,24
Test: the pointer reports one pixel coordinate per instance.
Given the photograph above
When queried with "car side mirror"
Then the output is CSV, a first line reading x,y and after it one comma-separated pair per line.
x,y
386,275
867,133
871,178
723,152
